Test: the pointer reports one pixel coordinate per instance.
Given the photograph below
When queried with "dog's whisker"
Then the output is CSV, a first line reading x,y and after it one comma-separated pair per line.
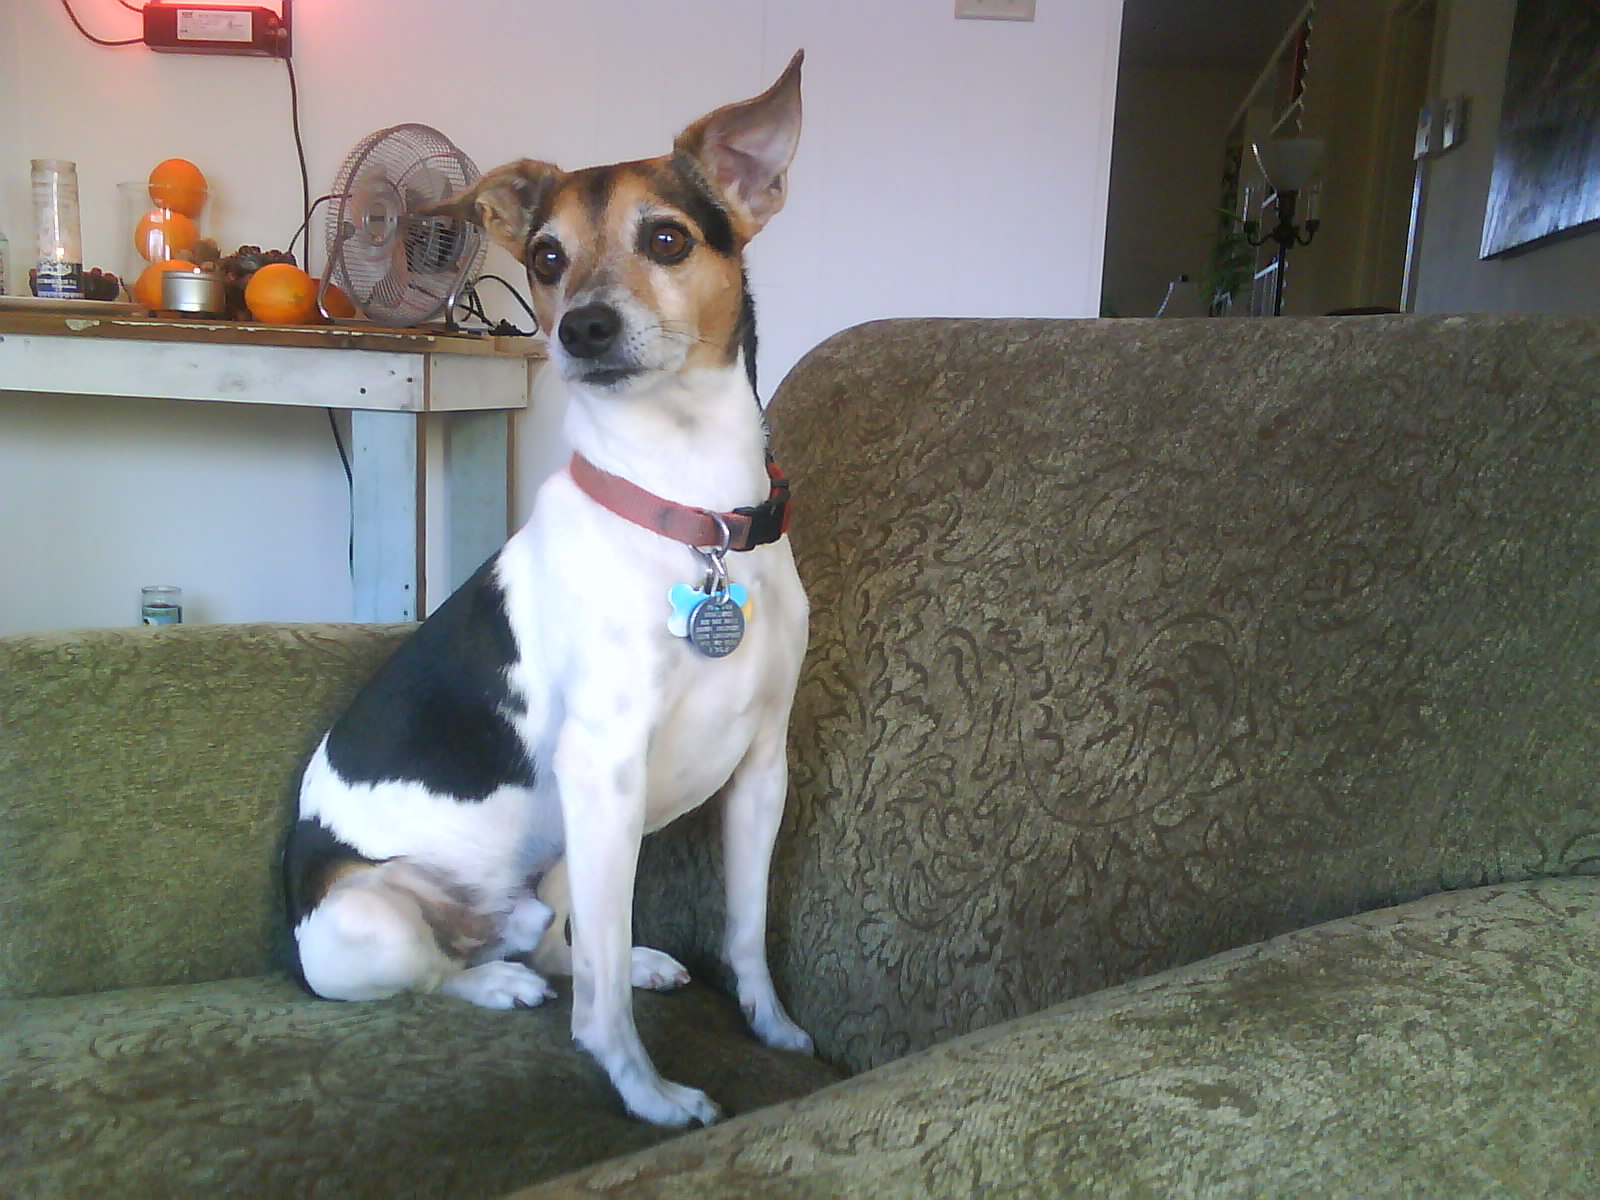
x,y
686,334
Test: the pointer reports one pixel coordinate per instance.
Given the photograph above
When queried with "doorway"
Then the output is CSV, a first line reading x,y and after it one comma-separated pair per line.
x,y
1397,199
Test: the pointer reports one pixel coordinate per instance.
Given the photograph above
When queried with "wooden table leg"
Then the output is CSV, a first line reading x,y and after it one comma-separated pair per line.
x,y
478,476
431,502
386,514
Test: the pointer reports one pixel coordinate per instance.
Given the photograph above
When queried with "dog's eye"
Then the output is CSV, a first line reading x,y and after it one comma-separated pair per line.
x,y
546,261
667,242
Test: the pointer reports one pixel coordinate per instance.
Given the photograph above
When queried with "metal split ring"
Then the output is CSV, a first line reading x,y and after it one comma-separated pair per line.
x,y
716,559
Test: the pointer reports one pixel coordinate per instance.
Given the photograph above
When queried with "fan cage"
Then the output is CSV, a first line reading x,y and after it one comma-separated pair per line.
x,y
400,265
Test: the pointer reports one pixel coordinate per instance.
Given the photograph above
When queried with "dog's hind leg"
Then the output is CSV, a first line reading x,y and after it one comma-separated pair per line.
x,y
499,984
394,928
656,970
526,925
752,811
650,970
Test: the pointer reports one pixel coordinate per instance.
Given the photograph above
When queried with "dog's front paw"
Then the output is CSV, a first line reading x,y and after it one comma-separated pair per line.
x,y
670,1104
775,1028
655,971
499,985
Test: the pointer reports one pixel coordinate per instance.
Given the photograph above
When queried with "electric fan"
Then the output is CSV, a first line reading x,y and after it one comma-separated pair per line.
x,y
399,265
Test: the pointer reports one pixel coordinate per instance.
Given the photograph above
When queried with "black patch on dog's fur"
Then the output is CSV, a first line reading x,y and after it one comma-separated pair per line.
x,y
435,713
685,191
596,184
312,857
745,332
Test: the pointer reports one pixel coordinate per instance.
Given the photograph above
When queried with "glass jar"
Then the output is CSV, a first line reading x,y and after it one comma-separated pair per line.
x,y
60,244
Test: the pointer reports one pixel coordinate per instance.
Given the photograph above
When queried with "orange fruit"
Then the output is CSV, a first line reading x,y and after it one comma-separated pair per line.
x,y
336,302
178,184
161,233
147,288
282,294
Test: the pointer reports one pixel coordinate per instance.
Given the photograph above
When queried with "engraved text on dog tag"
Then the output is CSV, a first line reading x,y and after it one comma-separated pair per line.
x,y
716,626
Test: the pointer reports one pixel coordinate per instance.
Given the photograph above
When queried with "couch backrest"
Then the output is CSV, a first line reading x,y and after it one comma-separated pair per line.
x,y
146,777
1133,641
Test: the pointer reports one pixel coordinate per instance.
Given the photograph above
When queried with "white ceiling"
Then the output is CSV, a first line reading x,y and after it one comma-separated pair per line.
x,y
1225,34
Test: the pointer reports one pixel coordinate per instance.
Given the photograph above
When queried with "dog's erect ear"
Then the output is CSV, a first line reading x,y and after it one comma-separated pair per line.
x,y
503,201
745,149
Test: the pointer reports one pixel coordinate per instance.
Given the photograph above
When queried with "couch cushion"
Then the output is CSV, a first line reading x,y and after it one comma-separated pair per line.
x,y
146,779
1443,1048
250,1088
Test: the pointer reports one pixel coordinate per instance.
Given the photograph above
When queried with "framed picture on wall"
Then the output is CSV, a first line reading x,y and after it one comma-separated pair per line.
x,y
1546,180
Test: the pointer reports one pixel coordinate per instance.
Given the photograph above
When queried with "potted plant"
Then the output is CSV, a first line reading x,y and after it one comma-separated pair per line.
x,y
1230,265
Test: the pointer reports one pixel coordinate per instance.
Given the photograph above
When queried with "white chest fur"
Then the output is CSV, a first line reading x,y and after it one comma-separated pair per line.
x,y
586,593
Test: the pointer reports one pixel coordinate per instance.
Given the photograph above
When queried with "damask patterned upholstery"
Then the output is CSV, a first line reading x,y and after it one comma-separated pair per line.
x,y
247,1087
1134,644
1441,1048
146,777
1137,641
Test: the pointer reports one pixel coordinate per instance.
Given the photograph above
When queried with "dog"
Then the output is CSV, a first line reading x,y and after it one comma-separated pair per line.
x,y
630,652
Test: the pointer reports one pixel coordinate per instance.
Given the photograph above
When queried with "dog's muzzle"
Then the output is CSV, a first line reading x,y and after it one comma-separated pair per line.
x,y
589,331
590,334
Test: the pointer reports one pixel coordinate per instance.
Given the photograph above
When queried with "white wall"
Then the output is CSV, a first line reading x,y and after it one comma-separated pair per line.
x,y
10,143
946,168
1559,277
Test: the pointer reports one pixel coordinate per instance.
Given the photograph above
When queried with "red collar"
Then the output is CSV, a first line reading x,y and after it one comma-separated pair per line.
x,y
747,527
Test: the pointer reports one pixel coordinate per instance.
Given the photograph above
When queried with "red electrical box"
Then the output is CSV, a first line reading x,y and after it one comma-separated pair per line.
x,y
215,29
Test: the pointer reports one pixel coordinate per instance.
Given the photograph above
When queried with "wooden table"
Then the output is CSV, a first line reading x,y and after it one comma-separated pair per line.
x,y
431,421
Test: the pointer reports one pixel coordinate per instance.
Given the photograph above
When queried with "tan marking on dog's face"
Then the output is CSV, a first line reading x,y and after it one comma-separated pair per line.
x,y
646,239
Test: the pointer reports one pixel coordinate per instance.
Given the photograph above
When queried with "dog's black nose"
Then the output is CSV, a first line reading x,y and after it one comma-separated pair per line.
x,y
589,331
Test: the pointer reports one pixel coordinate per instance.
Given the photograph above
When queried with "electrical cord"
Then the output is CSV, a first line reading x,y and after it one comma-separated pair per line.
x,y
299,149
98,41
304,225
308,208
338,442
350,485
502,328
472,304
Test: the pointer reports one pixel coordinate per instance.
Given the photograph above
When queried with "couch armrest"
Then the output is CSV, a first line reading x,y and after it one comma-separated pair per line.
x,y
146,778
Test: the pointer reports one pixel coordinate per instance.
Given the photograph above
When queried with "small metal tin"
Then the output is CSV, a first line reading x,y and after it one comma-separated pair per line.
x,y
193,292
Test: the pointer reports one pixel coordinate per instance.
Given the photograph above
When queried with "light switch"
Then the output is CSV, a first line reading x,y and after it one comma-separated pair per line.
x,y
1453,123
994,10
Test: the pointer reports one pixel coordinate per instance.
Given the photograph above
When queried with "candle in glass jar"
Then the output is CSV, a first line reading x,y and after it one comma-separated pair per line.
x,y
60,246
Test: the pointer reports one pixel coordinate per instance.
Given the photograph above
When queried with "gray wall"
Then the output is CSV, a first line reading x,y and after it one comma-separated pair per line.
x,y
1560,277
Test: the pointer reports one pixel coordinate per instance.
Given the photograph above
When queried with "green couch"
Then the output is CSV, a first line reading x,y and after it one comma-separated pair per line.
x,y
1196,792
